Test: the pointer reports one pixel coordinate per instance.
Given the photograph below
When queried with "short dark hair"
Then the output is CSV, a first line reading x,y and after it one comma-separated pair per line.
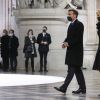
x,y
74,11
45,27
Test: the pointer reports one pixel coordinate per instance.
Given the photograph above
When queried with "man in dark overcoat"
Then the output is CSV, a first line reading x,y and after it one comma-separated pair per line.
x,y
74,53
5,50
13,50
44,40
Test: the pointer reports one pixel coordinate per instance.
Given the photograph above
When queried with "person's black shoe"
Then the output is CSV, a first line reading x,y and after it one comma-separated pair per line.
x,y
40,70
83,91
33,71
60,89
45,70
99,95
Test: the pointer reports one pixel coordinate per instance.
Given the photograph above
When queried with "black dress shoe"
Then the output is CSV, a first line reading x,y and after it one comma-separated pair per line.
x,y
99,95
45,70
40,70
83,91
33,70
60,89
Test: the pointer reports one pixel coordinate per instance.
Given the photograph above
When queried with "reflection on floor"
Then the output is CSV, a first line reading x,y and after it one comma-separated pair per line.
x,y
47,92
21,80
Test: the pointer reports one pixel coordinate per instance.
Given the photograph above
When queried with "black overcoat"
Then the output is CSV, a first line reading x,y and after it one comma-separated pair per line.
x,y
74,53
27,43
13,46
5,46
96,65
46,38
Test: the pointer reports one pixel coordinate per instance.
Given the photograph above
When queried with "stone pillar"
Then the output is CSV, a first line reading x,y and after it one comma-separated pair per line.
x,y
5,14
1,16
6,9
91,14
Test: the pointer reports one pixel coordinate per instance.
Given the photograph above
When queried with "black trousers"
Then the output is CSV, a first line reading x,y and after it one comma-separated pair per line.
x,y
13,63
79,76
43,60
32,63
5,63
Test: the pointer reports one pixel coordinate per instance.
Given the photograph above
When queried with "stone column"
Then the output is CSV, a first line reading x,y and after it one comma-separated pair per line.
x,y
91,14
6,13
1,16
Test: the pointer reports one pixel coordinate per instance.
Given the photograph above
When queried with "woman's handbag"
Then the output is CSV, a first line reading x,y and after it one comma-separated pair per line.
x,y
29,49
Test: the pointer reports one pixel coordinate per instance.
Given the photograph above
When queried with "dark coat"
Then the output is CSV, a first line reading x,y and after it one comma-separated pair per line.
x,y
46,38
74,53
29,47
5,46
13,46
96,65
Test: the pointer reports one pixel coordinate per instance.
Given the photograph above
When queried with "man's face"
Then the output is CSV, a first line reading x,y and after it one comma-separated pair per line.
x,y
30,33
72,15
44,29
10,33
5,32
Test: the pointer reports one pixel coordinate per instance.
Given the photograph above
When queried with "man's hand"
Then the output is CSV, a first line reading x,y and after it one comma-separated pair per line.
x,y
45,43
32,41
42,42
65,44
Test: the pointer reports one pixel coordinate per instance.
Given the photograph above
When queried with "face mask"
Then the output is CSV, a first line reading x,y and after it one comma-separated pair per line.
x,y
98,18
44,30
69,18
10,34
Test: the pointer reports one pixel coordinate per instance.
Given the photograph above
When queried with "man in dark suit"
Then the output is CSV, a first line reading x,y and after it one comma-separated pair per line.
x,y
13,50
74,53
5,50
44,40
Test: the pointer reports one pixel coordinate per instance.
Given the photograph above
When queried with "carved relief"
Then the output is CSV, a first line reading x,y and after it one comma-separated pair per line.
x,y
76,4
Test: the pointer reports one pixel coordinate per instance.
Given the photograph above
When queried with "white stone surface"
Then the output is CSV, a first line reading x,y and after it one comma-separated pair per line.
x,y
21,80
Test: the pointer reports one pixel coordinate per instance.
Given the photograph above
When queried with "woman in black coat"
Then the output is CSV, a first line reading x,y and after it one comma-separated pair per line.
x,y
29,49
96,65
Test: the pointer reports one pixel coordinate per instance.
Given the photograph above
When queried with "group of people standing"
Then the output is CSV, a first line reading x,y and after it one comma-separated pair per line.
x,y
9,52
9,49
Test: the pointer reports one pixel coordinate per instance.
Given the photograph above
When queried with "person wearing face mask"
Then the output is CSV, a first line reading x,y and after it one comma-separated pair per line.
x,y
74,53
30,49
44,40
13,50
5,50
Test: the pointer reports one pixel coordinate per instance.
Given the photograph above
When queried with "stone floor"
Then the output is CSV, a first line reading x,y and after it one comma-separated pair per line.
x,y
47,92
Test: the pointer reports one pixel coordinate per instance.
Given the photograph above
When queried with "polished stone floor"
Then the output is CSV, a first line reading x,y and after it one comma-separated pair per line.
x,y
47,92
